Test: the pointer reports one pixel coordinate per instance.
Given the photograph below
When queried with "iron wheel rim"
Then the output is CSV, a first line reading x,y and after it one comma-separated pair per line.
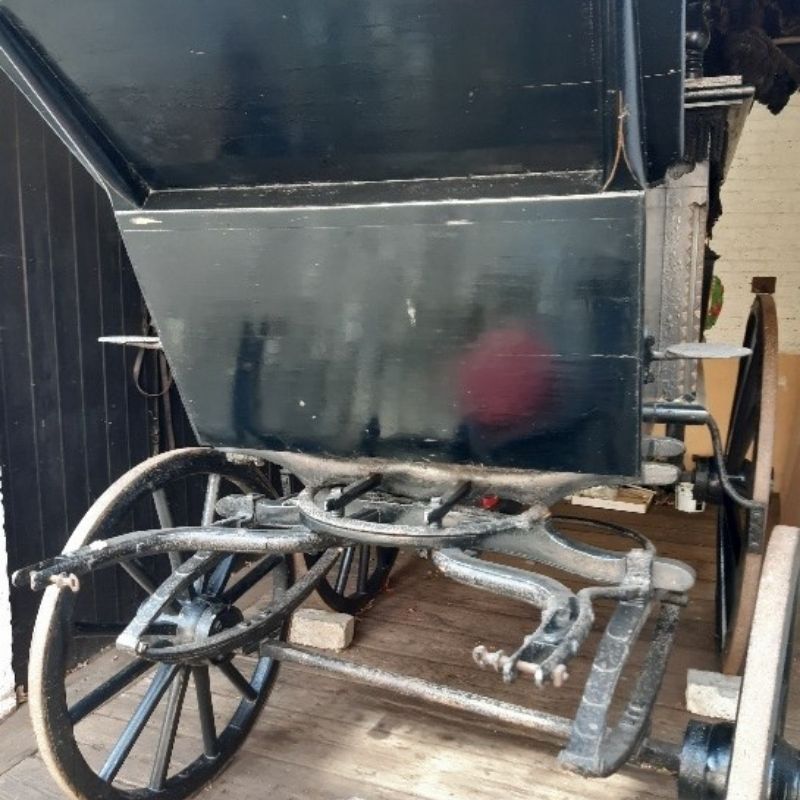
x,y
50,710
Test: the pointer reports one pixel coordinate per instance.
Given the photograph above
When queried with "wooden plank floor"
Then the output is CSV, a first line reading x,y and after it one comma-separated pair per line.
x,y
321,737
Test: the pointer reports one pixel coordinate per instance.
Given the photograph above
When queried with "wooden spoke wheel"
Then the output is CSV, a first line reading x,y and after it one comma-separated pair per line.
x,y
763,764
123,727
751,759
360,576
741,533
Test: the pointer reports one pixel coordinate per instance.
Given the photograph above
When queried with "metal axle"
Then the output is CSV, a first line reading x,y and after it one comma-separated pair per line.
x,y
651,753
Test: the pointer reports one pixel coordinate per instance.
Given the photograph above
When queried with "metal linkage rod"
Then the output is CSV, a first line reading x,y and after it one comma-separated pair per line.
x,y
420,689
651,753
104,553
337,502
436,514
680,413
518,584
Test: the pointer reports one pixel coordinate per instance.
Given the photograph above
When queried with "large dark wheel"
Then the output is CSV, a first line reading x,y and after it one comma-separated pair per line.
x,y
360,576
741,536
140,729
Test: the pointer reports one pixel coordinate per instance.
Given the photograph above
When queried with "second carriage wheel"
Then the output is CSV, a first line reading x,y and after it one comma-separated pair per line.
x,y
755,758
741,533
360,576
123,727
763,763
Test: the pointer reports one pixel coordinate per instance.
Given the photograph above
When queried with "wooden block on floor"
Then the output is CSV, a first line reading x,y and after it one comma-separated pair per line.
x,y
712,694
328,630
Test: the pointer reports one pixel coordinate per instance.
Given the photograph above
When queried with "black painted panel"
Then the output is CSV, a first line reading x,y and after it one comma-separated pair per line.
x,y
661,38
70,419
248,92
502,333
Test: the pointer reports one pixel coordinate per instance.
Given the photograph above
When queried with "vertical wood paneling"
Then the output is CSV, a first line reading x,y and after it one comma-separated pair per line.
x,y
71,419
24,527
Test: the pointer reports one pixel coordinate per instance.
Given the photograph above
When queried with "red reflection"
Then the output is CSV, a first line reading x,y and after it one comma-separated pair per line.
x,y
506,378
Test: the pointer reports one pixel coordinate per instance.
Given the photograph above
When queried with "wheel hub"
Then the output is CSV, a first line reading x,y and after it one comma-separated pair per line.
x,y
706,760
201,618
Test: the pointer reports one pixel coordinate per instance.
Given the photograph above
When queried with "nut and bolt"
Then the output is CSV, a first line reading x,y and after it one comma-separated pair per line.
x,y
66,580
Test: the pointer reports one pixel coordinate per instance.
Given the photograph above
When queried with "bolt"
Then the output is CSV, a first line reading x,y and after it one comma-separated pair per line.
x,y
141,648
479,656
66,581
560,676
484,658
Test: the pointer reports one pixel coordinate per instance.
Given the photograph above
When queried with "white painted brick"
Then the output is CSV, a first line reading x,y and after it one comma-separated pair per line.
x,y
758,232
328,630
712,694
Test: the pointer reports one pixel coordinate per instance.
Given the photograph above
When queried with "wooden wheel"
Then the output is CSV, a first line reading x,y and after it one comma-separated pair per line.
x,y
157,730
741,533
362,573
762,763
751,759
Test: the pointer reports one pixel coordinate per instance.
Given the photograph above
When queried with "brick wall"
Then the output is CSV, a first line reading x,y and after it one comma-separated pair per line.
x,y
759,231
759,234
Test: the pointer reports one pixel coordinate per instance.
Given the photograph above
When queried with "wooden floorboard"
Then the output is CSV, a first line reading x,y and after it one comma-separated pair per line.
x,y
323,738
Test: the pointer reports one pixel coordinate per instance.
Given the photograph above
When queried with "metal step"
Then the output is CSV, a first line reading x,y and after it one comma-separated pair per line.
x,y
698,350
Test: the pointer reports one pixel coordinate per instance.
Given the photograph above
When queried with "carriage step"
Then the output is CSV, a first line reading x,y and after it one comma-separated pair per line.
x,y
701,350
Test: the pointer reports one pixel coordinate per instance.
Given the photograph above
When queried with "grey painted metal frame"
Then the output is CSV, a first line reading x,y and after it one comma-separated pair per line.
x,y
566,618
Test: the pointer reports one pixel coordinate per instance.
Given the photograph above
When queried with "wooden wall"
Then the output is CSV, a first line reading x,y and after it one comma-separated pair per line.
x,y
71,419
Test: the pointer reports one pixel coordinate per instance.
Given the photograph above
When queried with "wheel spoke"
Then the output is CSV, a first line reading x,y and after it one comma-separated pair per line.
x,y
150,610
344,570
746,411
108,689
205,709
134,569
160,684
165,520
212,494
169,729
364,552
97,630
163,511
102,630
219,578
250,579
209,509
237,680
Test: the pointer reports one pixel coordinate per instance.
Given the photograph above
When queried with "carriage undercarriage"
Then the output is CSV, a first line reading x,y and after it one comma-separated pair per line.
x,y
418,277
228,588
